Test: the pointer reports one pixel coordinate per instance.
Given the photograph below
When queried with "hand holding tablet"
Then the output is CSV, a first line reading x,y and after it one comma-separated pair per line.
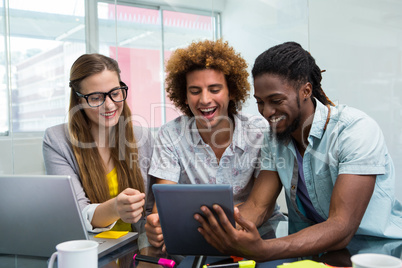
x,y
178,203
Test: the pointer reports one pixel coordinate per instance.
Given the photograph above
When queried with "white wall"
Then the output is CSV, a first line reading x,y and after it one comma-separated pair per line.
x,y
22,154
358,42
6,156
252,27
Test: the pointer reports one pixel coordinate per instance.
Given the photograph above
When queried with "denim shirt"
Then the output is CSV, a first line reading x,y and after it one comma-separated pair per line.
x,y
351,144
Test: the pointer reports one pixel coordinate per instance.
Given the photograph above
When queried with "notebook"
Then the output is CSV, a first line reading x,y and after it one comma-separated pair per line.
x,y
177,204
37,212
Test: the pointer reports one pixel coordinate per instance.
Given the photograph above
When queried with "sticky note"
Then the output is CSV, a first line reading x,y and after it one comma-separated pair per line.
x,y
111,234
303,264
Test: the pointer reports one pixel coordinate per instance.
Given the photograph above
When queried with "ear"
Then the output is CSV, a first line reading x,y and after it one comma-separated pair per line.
x,y
231,96
305,91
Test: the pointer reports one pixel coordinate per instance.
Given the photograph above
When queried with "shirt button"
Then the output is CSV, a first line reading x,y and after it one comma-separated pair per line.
x,y
293,187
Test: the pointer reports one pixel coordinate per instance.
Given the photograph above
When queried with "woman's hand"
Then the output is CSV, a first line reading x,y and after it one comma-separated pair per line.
x,y
129,205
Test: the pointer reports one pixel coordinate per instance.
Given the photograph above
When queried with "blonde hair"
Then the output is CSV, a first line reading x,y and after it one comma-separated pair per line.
x,y
124,152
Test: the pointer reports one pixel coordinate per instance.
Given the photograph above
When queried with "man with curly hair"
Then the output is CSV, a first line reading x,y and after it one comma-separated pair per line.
x,y
211,143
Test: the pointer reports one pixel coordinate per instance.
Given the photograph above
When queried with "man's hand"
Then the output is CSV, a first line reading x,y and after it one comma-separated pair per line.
x,y
243,242
154,231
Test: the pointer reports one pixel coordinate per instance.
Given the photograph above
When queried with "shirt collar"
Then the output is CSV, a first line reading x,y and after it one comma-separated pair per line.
x,y
320,118
238,139
317,127
238,134
193,132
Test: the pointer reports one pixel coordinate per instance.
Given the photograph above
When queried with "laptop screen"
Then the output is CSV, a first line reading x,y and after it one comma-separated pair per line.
x,y
37,213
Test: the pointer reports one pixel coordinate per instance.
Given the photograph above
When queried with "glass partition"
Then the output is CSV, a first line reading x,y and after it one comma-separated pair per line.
x,y
142,39
45,37
4,96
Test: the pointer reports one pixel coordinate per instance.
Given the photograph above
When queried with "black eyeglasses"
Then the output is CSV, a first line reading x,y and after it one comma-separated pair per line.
x,y
96,99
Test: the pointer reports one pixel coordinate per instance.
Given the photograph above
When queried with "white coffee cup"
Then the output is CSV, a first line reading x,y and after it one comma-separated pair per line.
x,y
76,254
373,260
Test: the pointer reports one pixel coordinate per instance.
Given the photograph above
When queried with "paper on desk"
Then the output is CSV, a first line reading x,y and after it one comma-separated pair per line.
x,y
302,264
111,234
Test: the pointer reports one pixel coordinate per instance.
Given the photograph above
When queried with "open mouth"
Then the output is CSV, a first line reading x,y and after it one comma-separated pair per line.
x,y
108,114
275,120
208,111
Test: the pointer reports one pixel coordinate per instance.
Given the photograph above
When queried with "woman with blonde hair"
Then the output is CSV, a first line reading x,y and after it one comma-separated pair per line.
x,y
106,156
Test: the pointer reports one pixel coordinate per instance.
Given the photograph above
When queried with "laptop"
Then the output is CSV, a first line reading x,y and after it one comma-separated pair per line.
x,y
177,204
37,212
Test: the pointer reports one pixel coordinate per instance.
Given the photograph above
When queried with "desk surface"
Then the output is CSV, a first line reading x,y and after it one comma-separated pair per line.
x,y
124,255
340,258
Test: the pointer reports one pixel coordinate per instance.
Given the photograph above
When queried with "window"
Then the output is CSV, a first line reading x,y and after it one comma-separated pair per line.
x,y
4,96
142,39
45,37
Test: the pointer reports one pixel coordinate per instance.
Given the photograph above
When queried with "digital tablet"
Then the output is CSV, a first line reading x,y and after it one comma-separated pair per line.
x,y
177,204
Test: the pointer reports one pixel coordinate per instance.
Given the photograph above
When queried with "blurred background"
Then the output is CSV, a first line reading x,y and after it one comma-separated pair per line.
x,y
357,42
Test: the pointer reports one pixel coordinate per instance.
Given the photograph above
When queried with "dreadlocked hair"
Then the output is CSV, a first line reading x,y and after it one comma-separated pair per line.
x,y
290,61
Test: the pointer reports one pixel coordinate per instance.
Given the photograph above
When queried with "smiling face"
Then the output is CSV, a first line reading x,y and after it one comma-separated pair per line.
x,y
208,98
279,102
107,115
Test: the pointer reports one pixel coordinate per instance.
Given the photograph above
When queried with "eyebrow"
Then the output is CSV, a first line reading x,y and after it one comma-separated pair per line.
x,y
99,92
269,96
209,86
216,85
193,87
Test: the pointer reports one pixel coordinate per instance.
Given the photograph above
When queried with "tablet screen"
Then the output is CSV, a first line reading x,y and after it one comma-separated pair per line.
x,y
177,204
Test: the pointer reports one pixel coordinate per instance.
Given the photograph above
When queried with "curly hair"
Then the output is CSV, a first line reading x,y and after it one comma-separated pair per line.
x,y
216,55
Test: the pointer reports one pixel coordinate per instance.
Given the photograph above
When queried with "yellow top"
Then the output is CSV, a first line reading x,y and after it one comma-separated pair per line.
x,y
114,190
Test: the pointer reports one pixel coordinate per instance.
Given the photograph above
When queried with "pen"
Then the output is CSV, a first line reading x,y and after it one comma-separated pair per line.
x,y
161,261
241,264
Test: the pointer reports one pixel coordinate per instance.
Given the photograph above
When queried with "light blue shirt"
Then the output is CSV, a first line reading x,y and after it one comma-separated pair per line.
x,y
351,144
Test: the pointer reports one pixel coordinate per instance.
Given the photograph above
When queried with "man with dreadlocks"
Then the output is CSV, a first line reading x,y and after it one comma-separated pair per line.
x,y
331,160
